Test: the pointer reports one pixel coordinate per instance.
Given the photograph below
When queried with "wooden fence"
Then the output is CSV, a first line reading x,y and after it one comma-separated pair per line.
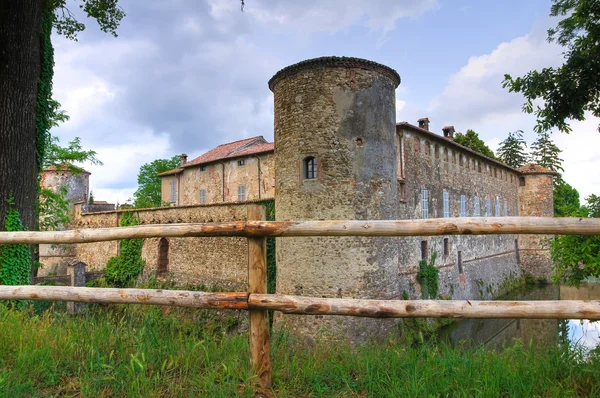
x,y
256,300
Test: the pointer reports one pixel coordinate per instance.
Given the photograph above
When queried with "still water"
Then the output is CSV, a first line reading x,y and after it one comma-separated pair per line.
x,y
494,333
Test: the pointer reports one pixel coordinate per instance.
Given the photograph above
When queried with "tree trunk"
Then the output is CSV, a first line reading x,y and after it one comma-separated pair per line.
x,y
19,73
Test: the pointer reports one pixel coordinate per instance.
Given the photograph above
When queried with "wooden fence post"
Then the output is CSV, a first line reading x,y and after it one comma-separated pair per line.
x,y
77,272
260,352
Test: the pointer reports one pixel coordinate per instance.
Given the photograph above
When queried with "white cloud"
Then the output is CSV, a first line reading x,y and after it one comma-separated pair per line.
x,y
309,16
474,98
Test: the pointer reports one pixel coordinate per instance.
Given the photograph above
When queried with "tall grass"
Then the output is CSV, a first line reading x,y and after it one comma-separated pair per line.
x,y
162,352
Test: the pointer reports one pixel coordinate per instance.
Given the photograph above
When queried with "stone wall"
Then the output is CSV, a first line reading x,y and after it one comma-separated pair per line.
x,y
219,262
488,263
257,175
536,199
343,115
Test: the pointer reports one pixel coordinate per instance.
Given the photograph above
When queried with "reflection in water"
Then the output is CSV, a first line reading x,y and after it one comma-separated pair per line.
x,y
495,333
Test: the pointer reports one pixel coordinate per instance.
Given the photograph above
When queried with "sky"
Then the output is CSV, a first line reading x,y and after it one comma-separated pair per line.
x,y
184,76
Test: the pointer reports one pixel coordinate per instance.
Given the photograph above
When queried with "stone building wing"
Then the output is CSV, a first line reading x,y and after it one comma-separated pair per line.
x,y
248,146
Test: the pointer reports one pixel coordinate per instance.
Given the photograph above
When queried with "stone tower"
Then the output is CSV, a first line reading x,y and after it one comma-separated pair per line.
x,y
335,158
55,258
536,199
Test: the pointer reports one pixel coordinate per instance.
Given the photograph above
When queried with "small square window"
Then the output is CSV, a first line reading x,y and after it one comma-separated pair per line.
x,y
241,162
202,168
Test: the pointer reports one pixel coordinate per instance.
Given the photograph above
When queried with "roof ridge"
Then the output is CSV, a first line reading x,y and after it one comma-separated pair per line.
x,y
233,142
248,144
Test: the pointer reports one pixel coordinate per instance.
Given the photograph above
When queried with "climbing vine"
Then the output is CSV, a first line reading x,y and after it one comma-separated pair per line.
x,y
428,278
125,268
271,259
15,260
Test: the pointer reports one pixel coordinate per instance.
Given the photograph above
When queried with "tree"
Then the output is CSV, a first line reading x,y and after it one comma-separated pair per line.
x,y
566,200
91,198
512,150
573,88
471,140
576,257
545,153
26,108
148,193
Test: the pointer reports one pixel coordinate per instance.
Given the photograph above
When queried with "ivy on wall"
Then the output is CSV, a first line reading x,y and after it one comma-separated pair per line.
x,y
15,260
428,278
271,258
46,107
122,270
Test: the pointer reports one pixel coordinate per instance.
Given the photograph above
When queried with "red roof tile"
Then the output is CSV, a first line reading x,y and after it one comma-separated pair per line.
x,y
536,169
234,149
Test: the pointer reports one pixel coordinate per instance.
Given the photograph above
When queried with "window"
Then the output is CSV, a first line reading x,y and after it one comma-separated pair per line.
x,y
173,191
446,247
309,168
459,261
437,151
505,209
463,206
203,196
402,192
202,168
427,148
241,192
425,203
446,205
516,210
423,249
497,207
241,162
488,208
477,207
461,160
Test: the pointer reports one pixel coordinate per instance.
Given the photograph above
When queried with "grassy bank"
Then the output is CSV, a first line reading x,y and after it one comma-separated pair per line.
x,y
159,352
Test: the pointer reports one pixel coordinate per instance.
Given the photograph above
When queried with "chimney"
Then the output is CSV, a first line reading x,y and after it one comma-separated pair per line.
x,y
449,132
183,158
424,123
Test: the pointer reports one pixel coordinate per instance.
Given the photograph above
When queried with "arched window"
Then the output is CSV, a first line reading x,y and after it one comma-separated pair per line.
x,y
309,168
163,257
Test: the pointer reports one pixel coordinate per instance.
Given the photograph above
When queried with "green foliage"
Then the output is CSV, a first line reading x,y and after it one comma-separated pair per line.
x,y
570,90
150,351
471,140
577,257
148,193
545,153
91,198
107,13
57,155
122,270
566,200
54,209
512,150
271,255
45,107
15,260
428,278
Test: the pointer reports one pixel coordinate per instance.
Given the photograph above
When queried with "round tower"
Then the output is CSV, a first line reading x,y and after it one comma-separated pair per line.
x,y
536,199
335,158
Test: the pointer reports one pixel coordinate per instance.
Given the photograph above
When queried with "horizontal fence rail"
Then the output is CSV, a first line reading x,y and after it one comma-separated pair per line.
x,y
178,298
550,309
428,227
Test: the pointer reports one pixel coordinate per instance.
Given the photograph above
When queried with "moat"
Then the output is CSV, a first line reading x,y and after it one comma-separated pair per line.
x,y
495,333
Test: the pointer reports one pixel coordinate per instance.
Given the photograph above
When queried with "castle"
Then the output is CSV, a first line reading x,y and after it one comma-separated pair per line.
x,y
339,154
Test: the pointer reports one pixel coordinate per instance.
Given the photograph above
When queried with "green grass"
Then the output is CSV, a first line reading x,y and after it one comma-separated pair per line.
x,y
164,352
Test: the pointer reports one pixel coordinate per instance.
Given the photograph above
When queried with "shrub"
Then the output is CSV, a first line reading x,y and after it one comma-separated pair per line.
x,y
125,268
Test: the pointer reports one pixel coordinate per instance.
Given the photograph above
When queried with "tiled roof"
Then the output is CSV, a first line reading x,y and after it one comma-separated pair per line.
x,y
170,172
535,169
234,149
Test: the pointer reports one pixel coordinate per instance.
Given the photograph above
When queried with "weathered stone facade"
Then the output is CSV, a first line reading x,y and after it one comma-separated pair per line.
x,y
239,173
341,113
536,199
215,262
